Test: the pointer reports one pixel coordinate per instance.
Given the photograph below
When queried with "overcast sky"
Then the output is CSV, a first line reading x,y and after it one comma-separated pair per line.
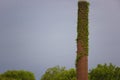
x,y
39,34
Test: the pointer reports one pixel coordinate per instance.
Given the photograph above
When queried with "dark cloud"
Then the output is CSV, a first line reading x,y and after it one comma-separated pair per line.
x,y
38,34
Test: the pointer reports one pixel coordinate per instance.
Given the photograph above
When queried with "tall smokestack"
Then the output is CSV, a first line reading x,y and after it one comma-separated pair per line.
x,y
82,40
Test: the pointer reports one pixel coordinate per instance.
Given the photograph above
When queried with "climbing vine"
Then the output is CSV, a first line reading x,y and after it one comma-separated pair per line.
x,y
82,29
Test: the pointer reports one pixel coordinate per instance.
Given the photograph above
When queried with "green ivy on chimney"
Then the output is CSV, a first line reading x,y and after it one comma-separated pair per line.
x,y
82,28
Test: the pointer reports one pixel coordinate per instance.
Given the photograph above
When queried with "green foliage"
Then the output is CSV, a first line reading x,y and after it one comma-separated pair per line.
x,y
5,78
105,72
59,73
78,57
101,72
82,28
17,75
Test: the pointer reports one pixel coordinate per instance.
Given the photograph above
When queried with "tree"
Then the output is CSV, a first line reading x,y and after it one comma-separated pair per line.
x,y
59,73
82,41
5,78
17,75
101,72
105,72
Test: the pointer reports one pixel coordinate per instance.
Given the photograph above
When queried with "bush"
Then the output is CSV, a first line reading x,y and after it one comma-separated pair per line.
x,y
5,78
105,72
101,72
59,73
17,75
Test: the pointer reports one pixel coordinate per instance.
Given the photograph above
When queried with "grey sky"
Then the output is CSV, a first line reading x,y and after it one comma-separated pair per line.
x,y
38,34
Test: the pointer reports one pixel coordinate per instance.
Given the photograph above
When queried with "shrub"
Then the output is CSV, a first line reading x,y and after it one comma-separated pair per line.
x,y
17,75
105,72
